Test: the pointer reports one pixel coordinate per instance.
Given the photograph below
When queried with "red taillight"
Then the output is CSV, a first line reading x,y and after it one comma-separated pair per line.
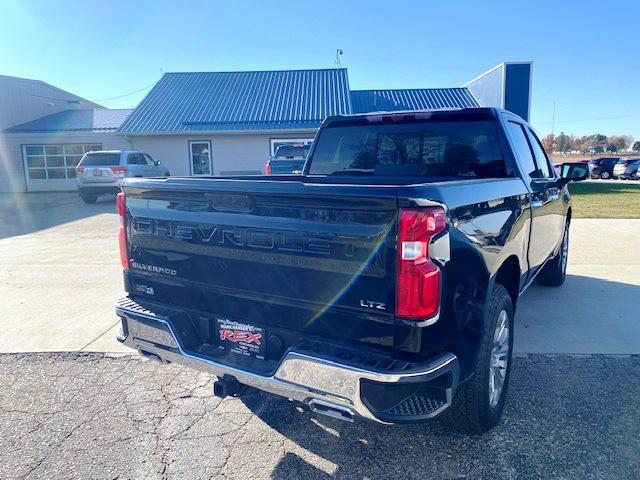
x,y
417,277
267,169
119,170
79,169
122,236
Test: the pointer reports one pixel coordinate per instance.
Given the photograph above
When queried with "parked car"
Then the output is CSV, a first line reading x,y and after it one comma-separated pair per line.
x,y
399,255
602,167
288,159
102,172
627,169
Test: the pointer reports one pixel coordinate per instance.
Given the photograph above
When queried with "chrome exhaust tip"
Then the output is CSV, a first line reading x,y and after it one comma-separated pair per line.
x,y
151,356
331,410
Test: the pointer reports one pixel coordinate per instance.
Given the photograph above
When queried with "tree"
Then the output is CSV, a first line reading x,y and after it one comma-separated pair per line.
x,y
574,143
548,143
595,143
621,142
562,142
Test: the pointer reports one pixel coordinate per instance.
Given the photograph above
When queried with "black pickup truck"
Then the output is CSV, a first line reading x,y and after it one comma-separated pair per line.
x,y
381,283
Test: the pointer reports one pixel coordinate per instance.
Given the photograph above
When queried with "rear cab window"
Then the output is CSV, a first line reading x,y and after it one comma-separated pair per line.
x,y
100,160
433,148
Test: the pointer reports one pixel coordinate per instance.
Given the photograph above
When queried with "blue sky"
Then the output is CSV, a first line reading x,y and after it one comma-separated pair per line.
x,y
586,56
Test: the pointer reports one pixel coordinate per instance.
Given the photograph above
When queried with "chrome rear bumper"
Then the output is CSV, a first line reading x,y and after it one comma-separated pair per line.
x,y
328,385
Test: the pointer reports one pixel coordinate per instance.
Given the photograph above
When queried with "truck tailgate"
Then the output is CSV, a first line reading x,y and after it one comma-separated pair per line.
x,y
286,257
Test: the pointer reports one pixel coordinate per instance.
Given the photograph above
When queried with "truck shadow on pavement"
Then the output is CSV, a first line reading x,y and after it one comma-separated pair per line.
x,y
23,213
571,413
567,417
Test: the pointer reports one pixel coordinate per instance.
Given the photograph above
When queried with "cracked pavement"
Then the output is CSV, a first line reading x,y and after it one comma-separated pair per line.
x,y
90,415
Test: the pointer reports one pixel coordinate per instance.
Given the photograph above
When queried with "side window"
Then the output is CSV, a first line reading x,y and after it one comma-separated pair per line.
x,y
541,157
136,159
522,149
148,159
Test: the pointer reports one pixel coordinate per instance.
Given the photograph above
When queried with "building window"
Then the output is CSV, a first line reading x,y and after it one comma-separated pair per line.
x,y
278,142
47,162
200,157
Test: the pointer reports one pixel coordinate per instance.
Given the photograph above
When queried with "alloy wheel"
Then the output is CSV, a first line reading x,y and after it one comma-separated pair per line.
x,y
499,358
565,250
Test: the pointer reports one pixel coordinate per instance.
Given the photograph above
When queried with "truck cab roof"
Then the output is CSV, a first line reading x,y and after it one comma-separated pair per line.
x,y
115,151
417,115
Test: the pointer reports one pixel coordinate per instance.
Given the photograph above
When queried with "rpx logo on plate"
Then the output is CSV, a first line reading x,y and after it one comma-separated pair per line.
x,y
237,336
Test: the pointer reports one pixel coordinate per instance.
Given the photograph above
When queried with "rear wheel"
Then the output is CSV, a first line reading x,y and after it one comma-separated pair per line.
x,y
605,175
89,198
554,272
478,403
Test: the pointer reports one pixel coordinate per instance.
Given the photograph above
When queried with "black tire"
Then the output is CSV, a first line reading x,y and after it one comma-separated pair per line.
x,y
89,198
605,175
554,272
472,411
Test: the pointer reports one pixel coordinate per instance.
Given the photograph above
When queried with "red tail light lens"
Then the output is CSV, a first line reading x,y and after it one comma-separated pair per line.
x,y
119,170
122,235
267,169
417,277
79,169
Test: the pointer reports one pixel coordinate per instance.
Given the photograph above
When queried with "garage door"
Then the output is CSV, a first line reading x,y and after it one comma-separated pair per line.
x,y
52,167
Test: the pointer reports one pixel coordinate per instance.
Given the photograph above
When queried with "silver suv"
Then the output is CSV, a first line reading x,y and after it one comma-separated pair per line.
x,y
627,169
101,172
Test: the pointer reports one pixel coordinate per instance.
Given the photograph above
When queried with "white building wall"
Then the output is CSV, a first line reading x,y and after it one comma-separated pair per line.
x,y
229,152
12,170
23,100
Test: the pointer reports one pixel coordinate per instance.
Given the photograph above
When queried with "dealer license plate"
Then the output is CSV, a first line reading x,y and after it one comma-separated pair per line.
x,y
241,338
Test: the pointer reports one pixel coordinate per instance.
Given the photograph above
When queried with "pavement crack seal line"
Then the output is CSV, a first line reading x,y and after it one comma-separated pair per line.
x,y
160,448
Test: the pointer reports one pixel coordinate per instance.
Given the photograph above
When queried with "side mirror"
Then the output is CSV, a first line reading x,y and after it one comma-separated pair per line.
x,y
156,162
574,172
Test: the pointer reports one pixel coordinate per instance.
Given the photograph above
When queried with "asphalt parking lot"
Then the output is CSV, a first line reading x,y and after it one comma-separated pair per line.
x,y
90,416
96,411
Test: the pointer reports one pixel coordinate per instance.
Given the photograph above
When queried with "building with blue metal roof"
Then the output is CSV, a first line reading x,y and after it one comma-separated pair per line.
x,y
241,101
44,131
363,101
228,123
93,121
